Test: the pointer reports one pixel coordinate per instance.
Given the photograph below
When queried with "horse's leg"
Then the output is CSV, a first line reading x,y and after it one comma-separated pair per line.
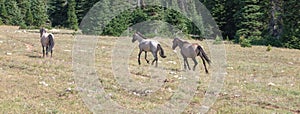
x,y
184,64
204,64
146,57
196,63
43,51
139,61
187,63
155,58
47,51
51,53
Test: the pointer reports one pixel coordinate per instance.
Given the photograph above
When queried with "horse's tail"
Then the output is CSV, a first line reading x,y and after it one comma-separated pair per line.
x,y
161,51
51,42
201,51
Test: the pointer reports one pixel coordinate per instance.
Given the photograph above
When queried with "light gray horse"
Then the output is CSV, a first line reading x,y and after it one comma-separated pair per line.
x,y
148,45
189,50
47,40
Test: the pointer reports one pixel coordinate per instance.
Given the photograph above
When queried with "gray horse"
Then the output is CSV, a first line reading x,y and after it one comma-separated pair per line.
x,y
189,50
47,40
148,45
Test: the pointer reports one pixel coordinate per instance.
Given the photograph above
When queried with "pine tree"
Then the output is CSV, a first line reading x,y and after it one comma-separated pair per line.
x,y
291,22
39,13
80,9
28,14
248,20
3,12
58,12
14,13
72,21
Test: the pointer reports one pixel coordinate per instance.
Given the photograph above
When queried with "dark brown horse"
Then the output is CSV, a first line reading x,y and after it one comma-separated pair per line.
x,y
47,40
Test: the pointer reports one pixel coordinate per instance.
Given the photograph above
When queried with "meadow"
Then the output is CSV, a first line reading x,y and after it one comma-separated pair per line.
x,y
257,81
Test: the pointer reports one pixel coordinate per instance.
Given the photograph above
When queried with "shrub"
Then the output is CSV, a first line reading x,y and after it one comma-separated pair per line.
x,y
269,48
245,43
218,40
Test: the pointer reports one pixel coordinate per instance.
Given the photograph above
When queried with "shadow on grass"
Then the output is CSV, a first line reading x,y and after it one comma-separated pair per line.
x,y
33,56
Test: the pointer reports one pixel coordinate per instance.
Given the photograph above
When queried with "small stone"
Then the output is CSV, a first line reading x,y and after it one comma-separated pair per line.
x,y
170,90
176,76
271,84
237,95
172,73
43,83
148,91
8,53
69,89
230,68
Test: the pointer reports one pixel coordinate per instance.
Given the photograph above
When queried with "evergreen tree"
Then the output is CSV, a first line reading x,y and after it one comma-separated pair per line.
x,y
3,12
291,21
58,12
72,21
28,14
80,9
249,21
14,13
39,13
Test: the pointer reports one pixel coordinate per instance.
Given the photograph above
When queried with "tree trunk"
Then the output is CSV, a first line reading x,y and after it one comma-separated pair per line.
x,y
275,25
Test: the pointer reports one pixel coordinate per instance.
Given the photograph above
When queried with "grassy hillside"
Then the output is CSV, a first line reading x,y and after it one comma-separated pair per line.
x,y
257,81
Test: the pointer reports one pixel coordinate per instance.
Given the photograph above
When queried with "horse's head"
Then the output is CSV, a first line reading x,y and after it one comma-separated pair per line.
x,y
42,31
175,43
134,37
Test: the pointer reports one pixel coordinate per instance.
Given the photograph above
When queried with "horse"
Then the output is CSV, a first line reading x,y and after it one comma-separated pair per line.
x,y
47,40
148,45
190,50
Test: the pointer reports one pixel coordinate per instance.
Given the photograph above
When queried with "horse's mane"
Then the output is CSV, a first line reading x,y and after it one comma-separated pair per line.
x,y
141,35
183,41
43,29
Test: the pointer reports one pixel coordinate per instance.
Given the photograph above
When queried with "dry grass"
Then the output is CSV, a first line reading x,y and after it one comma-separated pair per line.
x,y
257,82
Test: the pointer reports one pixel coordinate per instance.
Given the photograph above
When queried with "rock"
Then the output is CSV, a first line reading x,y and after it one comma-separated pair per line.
x,y
271,84
69,89
148,91
181,78
176,76
67,50
237,95
172,62
170,89
230,68
43,83
8,53
173,73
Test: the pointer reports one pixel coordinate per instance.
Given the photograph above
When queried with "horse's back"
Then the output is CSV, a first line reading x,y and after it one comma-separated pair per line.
x,y
148,45
45,38
189,50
